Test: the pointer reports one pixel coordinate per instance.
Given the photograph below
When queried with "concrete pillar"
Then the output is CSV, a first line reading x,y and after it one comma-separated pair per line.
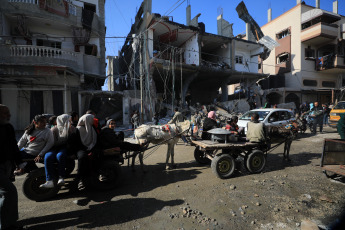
x,y
249,33
225,91
269,15
188,15
219,24
48,105
185,87
335,7
317,4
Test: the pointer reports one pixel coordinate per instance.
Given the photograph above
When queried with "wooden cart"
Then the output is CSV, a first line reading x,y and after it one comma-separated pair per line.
x,y
333,157
223,162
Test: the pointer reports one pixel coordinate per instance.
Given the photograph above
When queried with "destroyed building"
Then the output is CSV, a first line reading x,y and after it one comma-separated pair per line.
x,y
309,64
176,64
52,56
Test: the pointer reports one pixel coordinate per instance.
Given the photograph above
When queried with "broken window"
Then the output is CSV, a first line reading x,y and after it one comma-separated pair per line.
x,y
309,82
90,7
283,58
283,34
309,53
91,50
47,43
238,59
328,84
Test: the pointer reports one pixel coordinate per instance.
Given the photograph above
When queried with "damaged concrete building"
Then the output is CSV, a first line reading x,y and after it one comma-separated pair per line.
x,y
52,56
177,64
309,64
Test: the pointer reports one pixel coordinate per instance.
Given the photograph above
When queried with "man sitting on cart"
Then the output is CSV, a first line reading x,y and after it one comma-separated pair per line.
x,y
256,130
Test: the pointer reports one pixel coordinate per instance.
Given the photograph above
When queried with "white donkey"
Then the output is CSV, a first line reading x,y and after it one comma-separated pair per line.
x,y
167,134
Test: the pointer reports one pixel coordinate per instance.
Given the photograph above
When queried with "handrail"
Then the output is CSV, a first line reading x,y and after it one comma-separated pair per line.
x,y
41,51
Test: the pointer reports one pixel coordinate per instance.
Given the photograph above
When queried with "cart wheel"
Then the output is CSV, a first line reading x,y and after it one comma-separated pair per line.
x,y
200,157
330,174
256,161
223,166
31,186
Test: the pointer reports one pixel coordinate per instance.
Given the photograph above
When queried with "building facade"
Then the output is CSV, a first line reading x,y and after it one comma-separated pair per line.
x,y
310,58
51,54
177,64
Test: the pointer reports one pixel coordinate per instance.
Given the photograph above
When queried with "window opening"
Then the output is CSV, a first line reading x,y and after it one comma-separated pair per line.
x,y
309,52
283,34
309,82
90,7
283,58
239,59
328,84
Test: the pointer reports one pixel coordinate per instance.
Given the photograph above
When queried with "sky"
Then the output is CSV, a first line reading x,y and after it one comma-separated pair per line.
x,y
119,14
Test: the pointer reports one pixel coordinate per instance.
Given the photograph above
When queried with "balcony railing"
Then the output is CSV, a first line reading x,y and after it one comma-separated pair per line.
x,y
330,62
72,9
26,1
319,33
41,51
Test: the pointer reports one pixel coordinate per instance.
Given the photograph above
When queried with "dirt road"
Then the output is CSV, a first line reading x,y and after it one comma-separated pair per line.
x,y
191,197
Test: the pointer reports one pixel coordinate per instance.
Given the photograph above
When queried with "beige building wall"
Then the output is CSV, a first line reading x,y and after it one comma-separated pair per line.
x,y
300,68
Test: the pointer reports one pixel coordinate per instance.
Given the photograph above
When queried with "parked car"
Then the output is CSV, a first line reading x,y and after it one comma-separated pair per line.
x,y
270,117
334,115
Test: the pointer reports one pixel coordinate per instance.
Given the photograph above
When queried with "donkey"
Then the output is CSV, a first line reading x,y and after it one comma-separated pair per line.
x,y
166,134
279,134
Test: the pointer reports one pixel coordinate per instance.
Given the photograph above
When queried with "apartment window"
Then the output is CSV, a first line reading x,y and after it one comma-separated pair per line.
x,y
91,50
283,58
259,66
309,82
90,7
309,53
47,43
238,59
283,34
328,84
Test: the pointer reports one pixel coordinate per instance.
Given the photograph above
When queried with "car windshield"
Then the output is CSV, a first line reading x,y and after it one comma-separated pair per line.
x,y
340,105
248,115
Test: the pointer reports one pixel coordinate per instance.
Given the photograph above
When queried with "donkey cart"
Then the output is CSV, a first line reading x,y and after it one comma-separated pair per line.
x,y
223,162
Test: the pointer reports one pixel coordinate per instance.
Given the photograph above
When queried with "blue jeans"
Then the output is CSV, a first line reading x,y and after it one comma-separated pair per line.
x,y
55,155
325,119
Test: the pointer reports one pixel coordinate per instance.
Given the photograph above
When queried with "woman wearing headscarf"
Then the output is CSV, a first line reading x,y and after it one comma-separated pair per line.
x,y
61,132
109,139
209,123
85,141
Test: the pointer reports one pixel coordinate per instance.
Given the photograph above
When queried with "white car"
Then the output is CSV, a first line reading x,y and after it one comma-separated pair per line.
x,y
270,117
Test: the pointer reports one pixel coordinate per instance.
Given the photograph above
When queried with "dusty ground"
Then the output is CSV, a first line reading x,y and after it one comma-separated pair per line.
x,y
191,197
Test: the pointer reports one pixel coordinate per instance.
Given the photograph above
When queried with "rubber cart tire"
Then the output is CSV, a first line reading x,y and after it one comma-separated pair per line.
x,y
200,157
223,166
111,170
31,186
256,161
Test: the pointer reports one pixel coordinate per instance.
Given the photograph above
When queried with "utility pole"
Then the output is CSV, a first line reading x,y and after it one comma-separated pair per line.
x,y
141,80
65,89
173,78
